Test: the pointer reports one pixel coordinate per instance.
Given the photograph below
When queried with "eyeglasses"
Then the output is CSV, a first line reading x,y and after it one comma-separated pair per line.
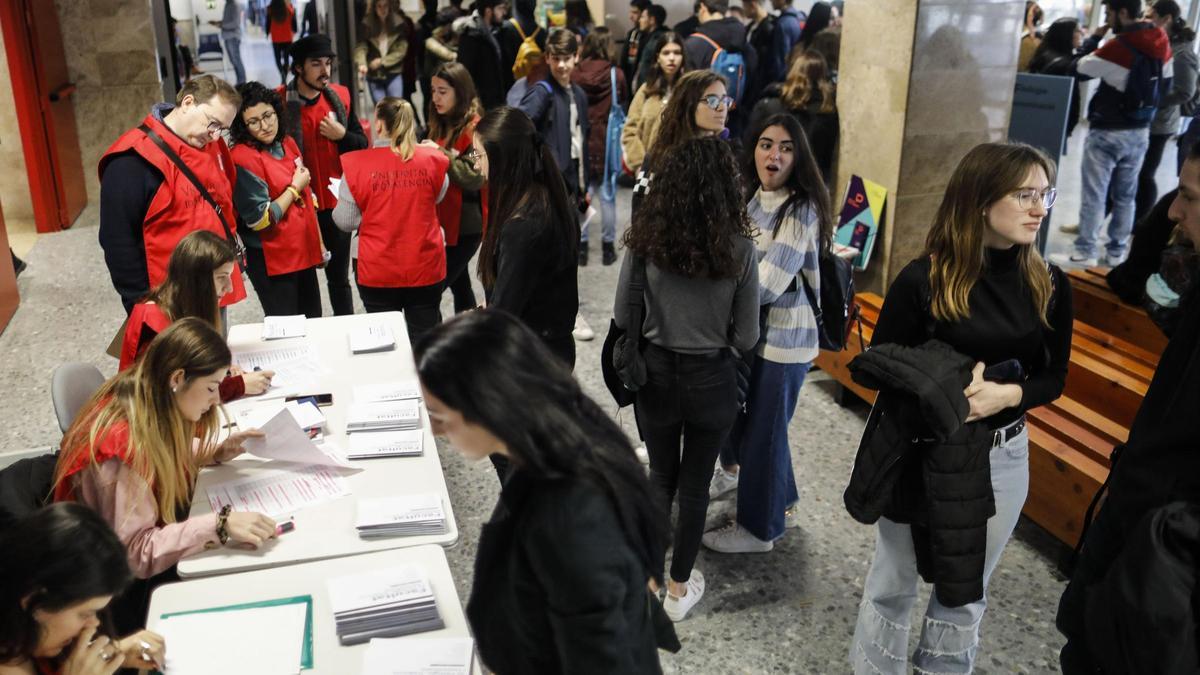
x,y
255,123
214,125
473,155
1028,197
715,101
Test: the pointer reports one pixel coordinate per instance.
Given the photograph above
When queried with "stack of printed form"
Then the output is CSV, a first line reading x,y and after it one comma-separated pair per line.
x,y
384,603
391,415
405,516
386,444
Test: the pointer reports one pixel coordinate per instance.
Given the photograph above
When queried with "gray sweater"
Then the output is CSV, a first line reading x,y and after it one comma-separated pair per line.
x,y
696,316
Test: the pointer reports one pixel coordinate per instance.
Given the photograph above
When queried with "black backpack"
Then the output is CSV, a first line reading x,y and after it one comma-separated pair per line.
x,y
1143,86
837,311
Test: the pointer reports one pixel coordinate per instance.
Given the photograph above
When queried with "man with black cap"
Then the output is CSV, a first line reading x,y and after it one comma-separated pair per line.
x,y
479,51
323,122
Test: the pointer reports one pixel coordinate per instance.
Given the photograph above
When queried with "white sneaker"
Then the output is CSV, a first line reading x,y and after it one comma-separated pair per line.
x,y
1072,228
722,482
734,538
677,608
1073,260
791,517
642,455
583,332
720,513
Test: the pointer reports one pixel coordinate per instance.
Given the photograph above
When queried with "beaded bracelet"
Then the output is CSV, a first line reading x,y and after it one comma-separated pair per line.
x,y
222,519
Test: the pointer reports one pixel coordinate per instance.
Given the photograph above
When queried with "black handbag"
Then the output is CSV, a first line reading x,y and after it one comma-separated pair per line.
x,y
621,360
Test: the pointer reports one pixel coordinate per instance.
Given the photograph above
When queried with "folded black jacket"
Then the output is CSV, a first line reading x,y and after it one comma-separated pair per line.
x,y
918,463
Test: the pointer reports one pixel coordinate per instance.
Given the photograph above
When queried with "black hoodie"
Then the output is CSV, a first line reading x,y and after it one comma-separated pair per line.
x,y
729,33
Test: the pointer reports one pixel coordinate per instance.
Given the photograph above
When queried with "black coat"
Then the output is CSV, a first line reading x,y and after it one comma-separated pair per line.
x,y
918,463
558,588
548,104
479,53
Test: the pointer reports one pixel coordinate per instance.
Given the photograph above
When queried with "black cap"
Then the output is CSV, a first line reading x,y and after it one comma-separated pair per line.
x,y
312,46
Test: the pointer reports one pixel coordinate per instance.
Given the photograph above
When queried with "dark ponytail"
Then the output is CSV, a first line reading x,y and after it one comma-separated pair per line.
x,y
1178,31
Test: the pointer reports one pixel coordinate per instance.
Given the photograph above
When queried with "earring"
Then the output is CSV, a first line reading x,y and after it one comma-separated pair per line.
x,y
174,389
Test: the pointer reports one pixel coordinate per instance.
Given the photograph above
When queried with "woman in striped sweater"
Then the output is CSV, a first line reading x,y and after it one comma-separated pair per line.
x,y
790,209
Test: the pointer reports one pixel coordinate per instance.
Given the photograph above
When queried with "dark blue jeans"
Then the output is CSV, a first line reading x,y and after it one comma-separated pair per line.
x,y
759,444
689,400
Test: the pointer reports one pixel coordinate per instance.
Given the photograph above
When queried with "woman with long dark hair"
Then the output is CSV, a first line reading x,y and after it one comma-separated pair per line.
x,y
383,44
1055,55
453,114
281,28
562,566
808,95
277,206
982,288
646,109
390,195
61,567
690,243
790,211
527,262
819,18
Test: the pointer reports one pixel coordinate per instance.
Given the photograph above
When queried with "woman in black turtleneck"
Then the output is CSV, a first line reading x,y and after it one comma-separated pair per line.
x,y
982,288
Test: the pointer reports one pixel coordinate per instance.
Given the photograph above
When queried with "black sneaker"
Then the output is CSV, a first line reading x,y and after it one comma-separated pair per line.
x,y
610,253
583,252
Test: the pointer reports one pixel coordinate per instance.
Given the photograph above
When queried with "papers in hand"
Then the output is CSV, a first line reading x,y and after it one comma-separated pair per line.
x,y
281,327
267,640
409,515
279,492
306,415
385,603
376,337
390,415
296,367
335,186
426,656
387,391
386,444
287,442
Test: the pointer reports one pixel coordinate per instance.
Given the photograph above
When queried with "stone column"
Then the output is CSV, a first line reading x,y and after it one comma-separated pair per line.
x,y
921,83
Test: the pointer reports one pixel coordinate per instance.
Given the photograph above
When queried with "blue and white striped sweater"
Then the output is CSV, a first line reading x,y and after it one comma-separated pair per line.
x,y
791,325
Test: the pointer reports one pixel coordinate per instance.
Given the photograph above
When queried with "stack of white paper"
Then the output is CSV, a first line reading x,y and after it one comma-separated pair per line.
x,y
267,640
280,492
281,327
406,516
387,391
391,415
420,656
306,415
375,337
296,368
385,603
386,444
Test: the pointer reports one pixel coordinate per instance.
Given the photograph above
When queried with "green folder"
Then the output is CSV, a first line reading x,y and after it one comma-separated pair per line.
x,y
306,655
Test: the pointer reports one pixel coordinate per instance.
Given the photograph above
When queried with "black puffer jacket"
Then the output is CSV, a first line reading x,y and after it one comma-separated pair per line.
x,y
918,463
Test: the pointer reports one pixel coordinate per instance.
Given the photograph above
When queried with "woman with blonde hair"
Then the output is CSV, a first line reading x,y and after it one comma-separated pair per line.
x,y
390,195
453,113
807,94
136,447
982,288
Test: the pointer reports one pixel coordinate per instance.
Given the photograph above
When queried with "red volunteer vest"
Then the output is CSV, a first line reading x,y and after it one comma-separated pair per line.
x,y
177,209
320,153
111,443
144,315
450,210
294,243
400,242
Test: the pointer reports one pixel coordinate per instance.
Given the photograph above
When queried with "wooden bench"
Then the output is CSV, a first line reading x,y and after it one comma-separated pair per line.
x,y
1097,306
1070,440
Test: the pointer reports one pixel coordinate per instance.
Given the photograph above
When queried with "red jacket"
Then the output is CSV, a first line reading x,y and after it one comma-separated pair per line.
x,y
293,243
177,209
450,209
400,242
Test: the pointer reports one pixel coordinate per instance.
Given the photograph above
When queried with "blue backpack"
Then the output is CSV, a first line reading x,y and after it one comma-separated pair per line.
x,y
1143,87
730,65
613,154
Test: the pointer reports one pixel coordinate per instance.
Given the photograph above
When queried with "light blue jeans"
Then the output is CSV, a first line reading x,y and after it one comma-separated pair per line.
x,y
233,49
608,214
392,86
949,635
1111,157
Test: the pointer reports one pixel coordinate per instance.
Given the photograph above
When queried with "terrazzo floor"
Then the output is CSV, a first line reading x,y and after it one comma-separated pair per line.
x,y
788,611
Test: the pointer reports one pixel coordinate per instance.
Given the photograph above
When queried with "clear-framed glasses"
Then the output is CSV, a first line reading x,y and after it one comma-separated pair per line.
x,y
715,101
256,123
1028,197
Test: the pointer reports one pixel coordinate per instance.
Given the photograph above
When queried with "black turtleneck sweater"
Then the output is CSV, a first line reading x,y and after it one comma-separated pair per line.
x,y
1002,325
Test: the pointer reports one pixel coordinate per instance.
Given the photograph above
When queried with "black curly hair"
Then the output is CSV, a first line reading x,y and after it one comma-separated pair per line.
x,y
254,93
688,223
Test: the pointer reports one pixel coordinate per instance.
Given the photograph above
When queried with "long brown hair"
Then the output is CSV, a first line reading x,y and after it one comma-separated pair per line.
x,y
466,103
679,117
372,28
988,173
160,437
189,289
657,83
808,81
